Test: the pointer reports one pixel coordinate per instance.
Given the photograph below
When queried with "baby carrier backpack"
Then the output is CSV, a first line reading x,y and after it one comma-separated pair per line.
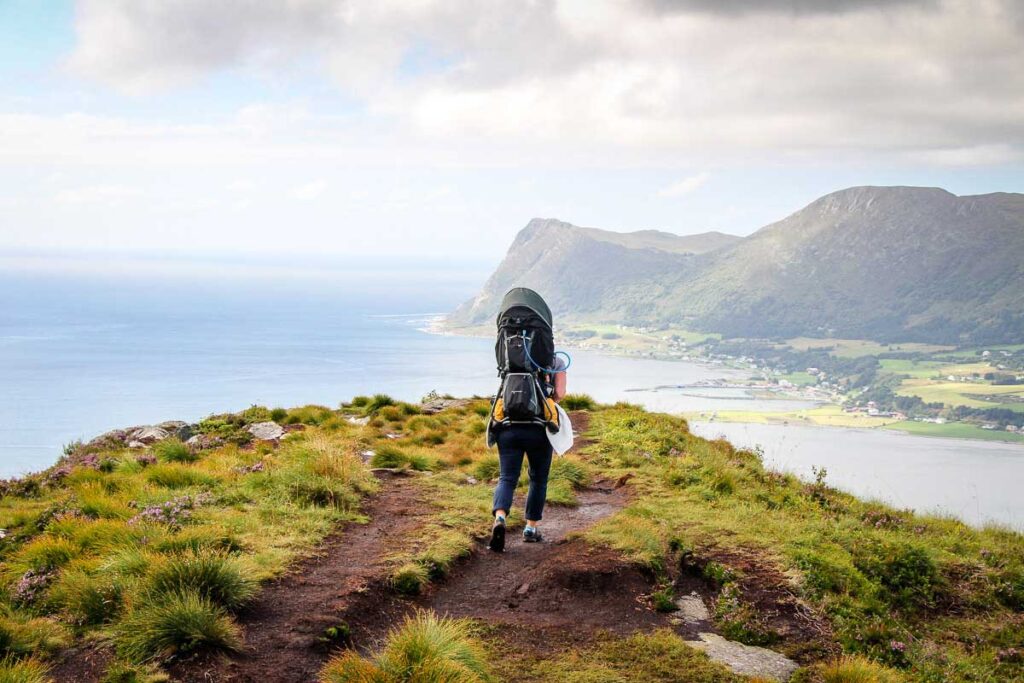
x,y
525,352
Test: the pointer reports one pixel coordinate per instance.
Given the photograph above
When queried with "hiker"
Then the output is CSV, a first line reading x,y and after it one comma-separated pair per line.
x,y
524,413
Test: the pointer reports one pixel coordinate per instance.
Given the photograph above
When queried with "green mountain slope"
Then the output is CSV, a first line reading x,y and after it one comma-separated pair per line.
x,y
885,263
585,271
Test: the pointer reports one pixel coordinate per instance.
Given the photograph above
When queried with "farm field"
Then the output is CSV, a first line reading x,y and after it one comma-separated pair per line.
x,y
965,393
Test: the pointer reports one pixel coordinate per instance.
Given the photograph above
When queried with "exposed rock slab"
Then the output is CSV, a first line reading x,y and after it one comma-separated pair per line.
x,y
692,609
148,434
746,660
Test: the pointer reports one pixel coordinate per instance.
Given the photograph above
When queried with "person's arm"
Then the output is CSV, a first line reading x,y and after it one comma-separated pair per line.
x,y
560,384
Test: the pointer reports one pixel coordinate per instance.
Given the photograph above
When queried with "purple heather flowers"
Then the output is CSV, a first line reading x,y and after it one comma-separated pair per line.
x,y
174,513
31,585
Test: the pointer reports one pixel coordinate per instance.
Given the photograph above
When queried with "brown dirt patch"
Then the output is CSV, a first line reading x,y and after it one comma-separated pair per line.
x,y
561,582
580,426
84,663
532,591
346,578
805,635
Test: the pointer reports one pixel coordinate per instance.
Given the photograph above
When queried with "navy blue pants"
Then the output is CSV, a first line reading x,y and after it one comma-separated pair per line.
x,y
514,442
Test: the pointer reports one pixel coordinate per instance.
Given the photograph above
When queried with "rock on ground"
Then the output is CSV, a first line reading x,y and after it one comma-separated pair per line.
x,y
746,660
148,434
266,431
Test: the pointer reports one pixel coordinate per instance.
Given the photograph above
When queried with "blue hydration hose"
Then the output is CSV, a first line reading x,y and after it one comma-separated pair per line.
x,y
550,371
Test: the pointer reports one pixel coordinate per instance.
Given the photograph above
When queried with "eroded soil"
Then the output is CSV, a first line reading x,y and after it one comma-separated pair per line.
x,y
284,628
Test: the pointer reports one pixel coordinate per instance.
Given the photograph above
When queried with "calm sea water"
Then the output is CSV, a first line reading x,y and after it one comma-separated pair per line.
x,y
976,481
85,354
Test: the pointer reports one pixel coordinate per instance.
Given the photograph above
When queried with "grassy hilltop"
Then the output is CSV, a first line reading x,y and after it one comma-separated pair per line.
x,y
336,552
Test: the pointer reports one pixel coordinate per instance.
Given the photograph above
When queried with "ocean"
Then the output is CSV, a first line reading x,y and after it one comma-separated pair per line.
x,y
85,353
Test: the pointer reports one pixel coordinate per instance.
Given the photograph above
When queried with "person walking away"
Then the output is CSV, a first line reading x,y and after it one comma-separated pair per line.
x,y
514,442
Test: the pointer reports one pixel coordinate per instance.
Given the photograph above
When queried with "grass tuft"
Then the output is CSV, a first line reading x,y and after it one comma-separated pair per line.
x,y
23,671
424,648
183,623
851,669
410,578
578,402
212,576
173,450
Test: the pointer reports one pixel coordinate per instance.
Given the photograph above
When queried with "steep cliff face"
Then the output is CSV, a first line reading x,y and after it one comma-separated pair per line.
x,y
888,263
586,271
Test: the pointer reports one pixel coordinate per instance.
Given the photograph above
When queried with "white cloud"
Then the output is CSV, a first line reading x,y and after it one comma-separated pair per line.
x,y
596,78
309,191
684,186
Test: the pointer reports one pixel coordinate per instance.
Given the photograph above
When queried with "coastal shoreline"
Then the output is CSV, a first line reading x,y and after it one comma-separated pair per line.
x,y
828,414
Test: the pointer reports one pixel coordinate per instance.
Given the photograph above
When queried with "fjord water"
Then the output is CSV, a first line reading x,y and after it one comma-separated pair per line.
x,y
976,481
84,354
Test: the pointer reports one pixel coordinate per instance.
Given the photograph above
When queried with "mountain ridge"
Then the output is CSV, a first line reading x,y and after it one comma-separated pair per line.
x,y
895,263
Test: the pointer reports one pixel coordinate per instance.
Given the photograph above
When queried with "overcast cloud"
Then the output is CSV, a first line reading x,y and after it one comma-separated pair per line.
x,y
696,75
442,126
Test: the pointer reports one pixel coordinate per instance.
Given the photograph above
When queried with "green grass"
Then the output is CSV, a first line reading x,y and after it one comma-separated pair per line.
x,y
215,577
173,450
882,576
578,402
849,670
22,671
658,657
182,623
178,476
97,567
424,648
157,557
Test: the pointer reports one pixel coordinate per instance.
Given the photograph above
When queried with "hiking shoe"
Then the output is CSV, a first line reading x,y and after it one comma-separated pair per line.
x,y
497,543
532,535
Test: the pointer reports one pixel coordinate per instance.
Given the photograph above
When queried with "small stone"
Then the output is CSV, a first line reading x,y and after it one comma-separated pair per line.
x,y
471,480
367,455
392,435
266,431
522,590
361,421
136,444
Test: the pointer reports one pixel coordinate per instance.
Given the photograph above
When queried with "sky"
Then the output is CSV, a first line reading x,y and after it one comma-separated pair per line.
x,y
430,131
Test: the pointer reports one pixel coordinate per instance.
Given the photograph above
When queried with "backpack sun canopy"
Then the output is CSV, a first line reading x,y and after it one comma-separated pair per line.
x,y
527,298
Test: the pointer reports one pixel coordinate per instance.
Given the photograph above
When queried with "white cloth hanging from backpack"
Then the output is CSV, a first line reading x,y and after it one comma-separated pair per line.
x,y
561,441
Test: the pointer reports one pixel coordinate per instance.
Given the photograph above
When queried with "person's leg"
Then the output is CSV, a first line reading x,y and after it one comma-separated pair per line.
x,y
510,459
538,453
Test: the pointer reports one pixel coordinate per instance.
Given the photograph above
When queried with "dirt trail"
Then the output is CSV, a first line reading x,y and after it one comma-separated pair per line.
x,y
284,627
545,597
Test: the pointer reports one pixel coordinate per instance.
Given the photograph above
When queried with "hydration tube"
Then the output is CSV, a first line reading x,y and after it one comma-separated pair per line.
x,y
550,371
